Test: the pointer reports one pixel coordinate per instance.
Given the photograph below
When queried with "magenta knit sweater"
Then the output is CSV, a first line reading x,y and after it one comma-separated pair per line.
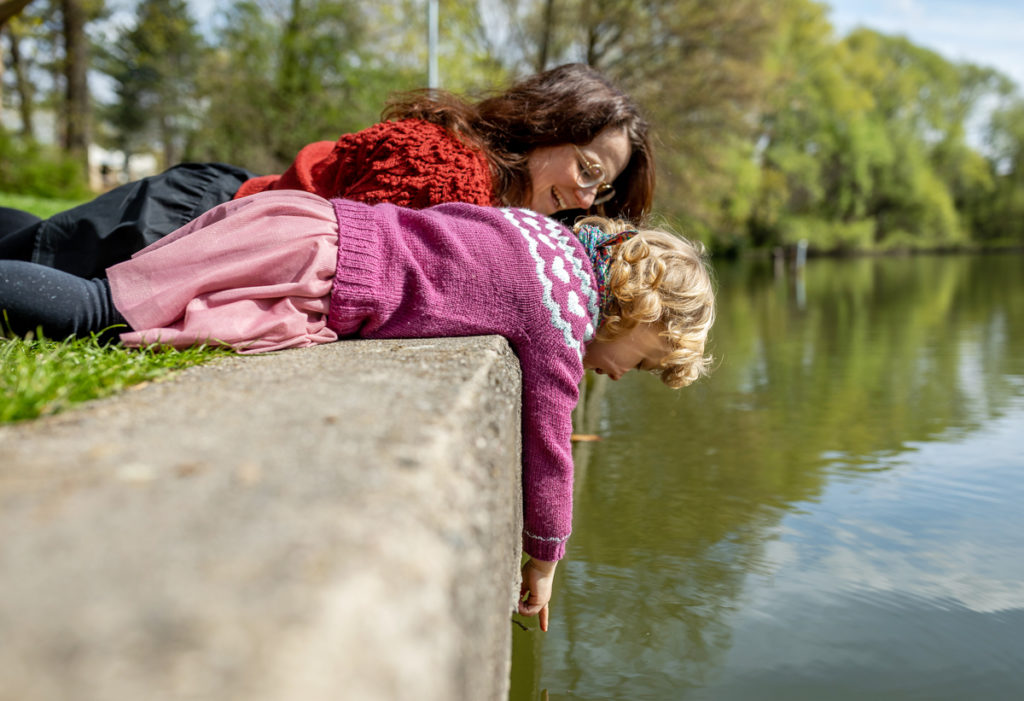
x,y
463,270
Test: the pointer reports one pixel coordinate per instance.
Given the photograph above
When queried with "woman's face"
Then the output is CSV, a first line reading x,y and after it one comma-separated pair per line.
x,y
555,171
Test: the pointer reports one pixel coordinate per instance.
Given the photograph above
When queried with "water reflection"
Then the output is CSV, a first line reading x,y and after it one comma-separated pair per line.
x,y
833,515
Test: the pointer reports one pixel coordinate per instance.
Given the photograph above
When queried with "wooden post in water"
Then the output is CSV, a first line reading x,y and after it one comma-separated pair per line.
x,y
799,264
801,255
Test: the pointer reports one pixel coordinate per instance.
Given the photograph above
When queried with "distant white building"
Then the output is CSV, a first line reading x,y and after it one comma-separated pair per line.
x,y
107,168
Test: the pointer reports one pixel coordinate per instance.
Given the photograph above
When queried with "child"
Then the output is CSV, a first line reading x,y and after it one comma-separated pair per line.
x,y
284,269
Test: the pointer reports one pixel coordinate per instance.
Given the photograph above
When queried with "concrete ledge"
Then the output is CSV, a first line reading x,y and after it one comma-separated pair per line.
x,y
335,522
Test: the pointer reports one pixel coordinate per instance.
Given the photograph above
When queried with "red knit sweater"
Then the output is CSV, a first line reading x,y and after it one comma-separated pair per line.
x,y
410,163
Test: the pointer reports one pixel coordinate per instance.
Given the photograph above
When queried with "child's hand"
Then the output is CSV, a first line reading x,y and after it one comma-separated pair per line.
x,y
538,578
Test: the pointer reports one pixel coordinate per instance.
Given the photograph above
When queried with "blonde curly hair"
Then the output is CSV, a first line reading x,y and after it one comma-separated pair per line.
x,y
660,278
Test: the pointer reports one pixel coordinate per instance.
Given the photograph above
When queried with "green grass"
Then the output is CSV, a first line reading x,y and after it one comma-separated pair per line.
x,y
40,206
40,377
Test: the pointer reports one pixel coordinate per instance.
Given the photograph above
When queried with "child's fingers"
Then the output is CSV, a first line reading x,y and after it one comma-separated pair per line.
x,y
523,599
535,592
540,610
526,608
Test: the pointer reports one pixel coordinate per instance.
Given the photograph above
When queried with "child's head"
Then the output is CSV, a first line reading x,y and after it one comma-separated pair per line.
x,y
659,279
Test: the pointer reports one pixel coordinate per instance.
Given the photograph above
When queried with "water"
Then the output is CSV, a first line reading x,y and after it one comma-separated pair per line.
x,y
837,513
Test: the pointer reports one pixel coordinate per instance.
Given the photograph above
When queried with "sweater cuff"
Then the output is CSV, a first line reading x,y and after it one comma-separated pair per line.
x,y
544,548
353,292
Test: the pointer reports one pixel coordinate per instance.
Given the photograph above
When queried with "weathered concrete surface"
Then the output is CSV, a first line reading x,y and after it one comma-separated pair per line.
x,y
340,522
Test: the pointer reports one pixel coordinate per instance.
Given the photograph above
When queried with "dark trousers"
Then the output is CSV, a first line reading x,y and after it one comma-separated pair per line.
x,y
17,234
36,298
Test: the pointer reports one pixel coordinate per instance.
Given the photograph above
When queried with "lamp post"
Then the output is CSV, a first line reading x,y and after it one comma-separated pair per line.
x,y
432,12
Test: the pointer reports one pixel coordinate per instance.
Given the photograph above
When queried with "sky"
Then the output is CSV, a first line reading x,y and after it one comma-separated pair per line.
x,y
984,32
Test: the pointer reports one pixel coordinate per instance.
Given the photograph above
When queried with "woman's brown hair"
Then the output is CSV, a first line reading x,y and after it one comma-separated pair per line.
x,y
569,104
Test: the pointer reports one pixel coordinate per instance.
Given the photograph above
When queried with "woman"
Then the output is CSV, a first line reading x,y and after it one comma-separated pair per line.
x,y
564,141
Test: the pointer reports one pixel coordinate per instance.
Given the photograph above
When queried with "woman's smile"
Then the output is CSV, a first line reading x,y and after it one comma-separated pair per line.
x,y
555,171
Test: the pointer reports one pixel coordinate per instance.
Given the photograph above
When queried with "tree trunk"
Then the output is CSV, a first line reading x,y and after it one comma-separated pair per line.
x,y
76,106
168,137
22,85
8,9
2,75
289,80
545,38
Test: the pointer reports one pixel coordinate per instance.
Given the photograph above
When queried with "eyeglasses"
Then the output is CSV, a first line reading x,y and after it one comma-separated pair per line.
x,y
592,174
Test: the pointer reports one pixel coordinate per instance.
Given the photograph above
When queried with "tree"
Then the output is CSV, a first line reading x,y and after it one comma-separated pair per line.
x,y
77,108
547,28
154,65
999,217
15,31
925,103
289,72
277,81
863,141
8,10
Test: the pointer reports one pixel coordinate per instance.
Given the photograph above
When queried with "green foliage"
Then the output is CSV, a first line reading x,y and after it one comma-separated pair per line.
x,y
818,142
870,128
997,212
42,207
319,69
40,377
828,235
29,168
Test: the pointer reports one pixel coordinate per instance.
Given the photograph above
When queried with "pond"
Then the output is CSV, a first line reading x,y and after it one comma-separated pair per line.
x,y
836,513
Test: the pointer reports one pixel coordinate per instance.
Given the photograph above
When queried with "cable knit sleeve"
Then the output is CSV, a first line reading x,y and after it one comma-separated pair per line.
x,y
550,392
561,321
410,163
